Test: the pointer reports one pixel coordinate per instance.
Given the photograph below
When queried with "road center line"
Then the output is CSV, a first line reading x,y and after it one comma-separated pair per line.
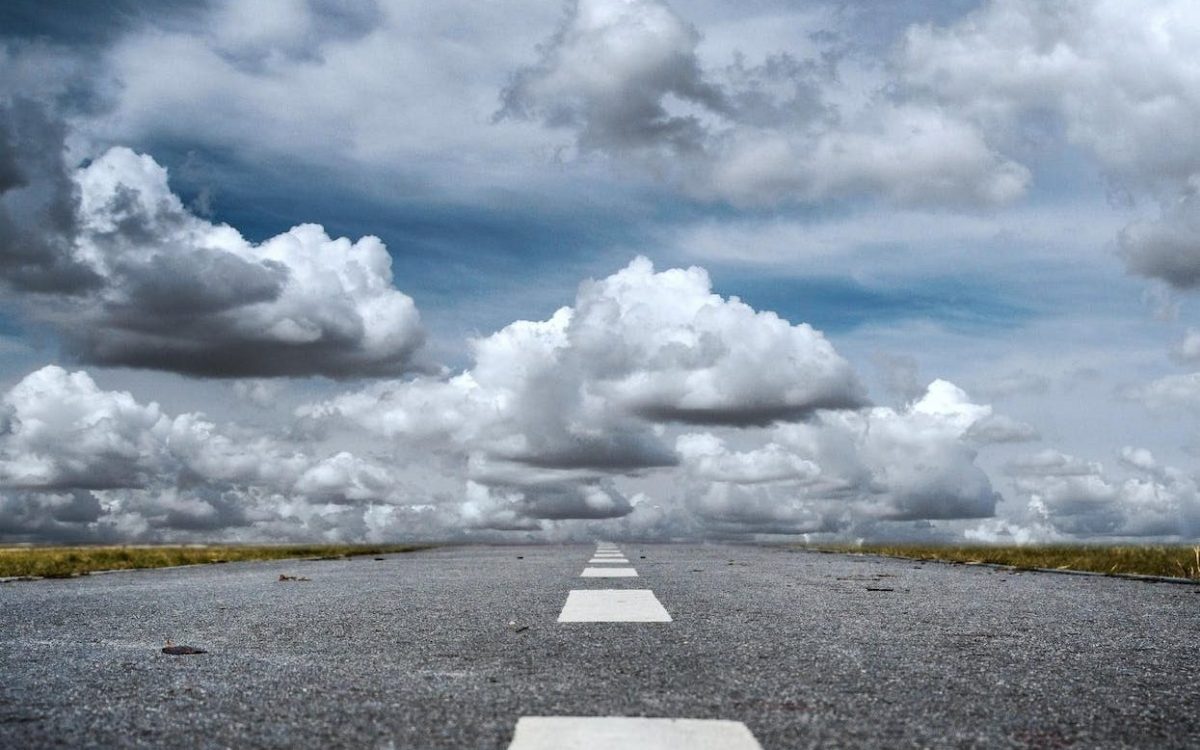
x,y
613,605
608,573
588,732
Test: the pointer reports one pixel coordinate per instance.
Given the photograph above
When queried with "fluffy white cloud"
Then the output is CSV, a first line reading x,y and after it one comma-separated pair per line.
x,y
706,457
847,468
180,293
110,256
585,394
61,431
1122,78
77,461
624,75
406,87
910,154
1188,350
608,71
1168,392
660,346
1078,498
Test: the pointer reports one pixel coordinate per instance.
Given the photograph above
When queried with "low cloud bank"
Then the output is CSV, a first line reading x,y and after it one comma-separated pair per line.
x,y
651,407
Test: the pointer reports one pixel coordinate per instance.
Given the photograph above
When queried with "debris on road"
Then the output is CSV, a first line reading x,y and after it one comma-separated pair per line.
x,y
181,650
877,588
512,624
283,577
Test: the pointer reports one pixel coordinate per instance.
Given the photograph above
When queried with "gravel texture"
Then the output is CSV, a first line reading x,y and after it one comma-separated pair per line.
x,y
417,651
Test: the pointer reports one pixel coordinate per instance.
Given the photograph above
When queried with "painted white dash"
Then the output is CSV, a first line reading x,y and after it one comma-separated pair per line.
x,y
619,560
594,732
608,573
613,605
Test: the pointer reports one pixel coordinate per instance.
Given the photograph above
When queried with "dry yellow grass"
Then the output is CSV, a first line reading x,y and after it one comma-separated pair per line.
x,y
61,562
1168,561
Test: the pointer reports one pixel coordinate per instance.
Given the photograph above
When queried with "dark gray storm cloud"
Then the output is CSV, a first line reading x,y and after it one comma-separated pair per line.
x,y
750,414
90,24
38,205
109,255
1167,249
610,107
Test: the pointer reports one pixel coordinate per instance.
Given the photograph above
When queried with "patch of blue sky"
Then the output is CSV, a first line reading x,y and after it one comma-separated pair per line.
x,y
839,305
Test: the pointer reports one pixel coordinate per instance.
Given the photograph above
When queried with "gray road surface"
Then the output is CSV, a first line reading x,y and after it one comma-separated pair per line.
x,y
416,651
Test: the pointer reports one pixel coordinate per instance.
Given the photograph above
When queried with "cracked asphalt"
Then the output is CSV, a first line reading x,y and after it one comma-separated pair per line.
x,y
448,647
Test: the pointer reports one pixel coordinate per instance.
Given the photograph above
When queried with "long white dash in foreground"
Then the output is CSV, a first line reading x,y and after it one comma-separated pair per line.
x,y
620,560
613,605
608,573
596,732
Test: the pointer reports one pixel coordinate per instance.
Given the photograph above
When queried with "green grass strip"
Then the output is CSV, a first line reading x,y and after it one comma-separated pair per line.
x,y
1166,561
62,562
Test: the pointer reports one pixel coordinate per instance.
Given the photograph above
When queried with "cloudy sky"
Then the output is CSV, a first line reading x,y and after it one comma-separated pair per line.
x,y
532,269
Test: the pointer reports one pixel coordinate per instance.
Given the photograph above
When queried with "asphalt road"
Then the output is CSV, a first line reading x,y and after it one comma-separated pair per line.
x,y
417,651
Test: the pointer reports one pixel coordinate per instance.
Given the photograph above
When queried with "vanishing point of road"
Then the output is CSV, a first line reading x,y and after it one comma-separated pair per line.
x,y
531,647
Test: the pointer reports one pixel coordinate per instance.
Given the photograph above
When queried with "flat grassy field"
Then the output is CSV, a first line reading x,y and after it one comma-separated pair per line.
x,y
62,562
1168,561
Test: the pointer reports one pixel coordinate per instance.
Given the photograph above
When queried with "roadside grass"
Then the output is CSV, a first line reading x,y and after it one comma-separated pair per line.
x,y
1166,561
63,562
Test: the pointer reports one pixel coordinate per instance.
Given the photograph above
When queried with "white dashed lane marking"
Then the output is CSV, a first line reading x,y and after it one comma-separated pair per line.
x,y
593,732
605,732
608,573
613,605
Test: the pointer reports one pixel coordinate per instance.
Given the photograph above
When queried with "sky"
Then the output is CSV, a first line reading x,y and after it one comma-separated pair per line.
x,y
383,270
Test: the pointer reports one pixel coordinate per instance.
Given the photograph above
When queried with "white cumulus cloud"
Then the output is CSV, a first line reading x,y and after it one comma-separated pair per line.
x,y
626,78
1079,498
584,394
81,462
847,467
1123,79
111,257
